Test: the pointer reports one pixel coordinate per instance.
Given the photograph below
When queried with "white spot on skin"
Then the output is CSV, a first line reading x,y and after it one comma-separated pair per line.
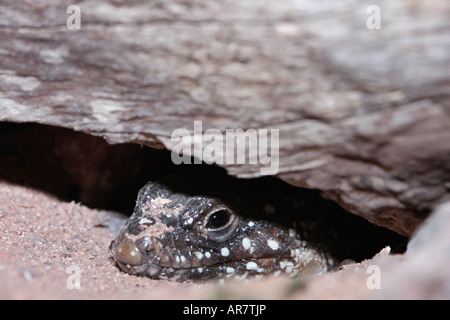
x,y
200,270
292,232
230,270
177,259
289,269
251,266
160,201
245,275
145,220
208,255
199,255
225,252
246,243
183,259
190,220
273,244
251,224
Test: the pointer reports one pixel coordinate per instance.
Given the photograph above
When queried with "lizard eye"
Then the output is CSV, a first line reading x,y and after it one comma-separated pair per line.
x,y
220,224
217,219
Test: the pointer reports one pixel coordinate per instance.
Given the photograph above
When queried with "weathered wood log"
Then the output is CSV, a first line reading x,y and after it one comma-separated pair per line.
x,y
363,114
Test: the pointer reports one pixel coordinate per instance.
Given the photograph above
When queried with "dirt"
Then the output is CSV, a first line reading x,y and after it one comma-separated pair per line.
x,y
44,240
51,249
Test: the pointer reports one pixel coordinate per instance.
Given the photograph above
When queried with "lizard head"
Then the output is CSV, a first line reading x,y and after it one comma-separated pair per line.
x,y
182,237
203,224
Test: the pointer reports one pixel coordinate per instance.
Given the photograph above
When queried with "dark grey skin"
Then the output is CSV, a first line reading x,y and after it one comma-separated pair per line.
x,y
203,224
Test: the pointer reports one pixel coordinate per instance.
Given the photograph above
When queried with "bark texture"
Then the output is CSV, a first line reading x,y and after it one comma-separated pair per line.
x,y
363,115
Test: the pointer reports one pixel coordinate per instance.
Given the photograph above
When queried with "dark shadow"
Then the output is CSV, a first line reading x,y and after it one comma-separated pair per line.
x,y
74,166
323,223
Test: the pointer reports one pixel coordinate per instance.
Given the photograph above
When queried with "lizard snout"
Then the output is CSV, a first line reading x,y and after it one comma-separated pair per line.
x,y
132,256
128,253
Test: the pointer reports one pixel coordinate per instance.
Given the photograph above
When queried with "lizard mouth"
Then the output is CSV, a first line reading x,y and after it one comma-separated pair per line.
x,y
232,269
146,257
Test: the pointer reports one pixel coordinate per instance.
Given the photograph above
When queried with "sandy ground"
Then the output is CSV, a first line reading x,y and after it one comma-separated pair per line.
x,y
47,247
55,250
51,249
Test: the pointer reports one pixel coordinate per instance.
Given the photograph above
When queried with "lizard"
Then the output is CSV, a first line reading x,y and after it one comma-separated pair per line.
x,y
203,224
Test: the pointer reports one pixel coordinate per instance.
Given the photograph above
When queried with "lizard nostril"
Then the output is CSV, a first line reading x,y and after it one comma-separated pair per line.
x,y
127,252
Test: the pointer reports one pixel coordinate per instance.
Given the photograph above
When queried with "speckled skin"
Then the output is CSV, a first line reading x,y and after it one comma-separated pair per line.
x,y
205,225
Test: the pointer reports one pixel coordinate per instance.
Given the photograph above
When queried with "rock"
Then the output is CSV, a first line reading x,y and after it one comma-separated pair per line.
x,y
423,274
362,114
